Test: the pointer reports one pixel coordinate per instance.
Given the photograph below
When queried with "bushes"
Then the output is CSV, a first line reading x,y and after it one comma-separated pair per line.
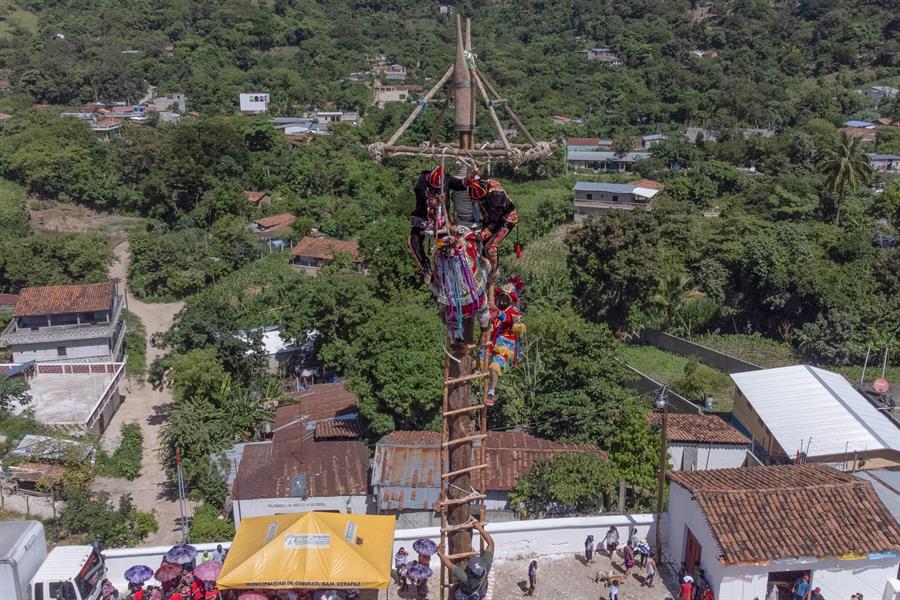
x,y
699,381
206,526
135,345
125,462
95,517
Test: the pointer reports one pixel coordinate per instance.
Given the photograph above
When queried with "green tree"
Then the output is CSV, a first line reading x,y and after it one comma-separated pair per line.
x,y
95,517
846,168
207,525
13,390
699,381
671,295
633,448
579,482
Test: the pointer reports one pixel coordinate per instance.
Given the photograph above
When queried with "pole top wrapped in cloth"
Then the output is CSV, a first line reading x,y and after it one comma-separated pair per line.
x,y
310,550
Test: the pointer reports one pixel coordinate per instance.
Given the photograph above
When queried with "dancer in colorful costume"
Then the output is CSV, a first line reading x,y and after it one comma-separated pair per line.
x,y
460,279
428,213
506,327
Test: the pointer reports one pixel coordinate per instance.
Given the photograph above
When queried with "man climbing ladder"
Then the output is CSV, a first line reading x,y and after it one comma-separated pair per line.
x,y
471,582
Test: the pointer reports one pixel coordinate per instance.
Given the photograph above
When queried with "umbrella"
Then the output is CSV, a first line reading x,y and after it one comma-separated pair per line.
x,y
418,572
254,595
138,574
181,554
167,572
208,571
326,595
425,546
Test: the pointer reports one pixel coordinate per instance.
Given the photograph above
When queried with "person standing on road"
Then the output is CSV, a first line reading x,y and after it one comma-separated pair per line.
x,y
532,577
589,549
651,571
611,542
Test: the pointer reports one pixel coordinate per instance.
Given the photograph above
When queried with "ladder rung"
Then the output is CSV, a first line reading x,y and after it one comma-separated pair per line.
x,y
465,378
469,525
461,471
459,411
455,501
463,555
463,440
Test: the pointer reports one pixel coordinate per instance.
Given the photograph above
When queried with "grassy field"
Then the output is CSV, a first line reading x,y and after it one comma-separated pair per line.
x,y
666,368
752,348
14,16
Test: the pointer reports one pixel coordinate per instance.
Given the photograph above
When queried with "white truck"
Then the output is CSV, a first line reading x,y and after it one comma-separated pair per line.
x,y
28,572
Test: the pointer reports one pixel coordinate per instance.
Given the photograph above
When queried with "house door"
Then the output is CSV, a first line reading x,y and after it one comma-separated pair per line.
x,y
692,551
689,458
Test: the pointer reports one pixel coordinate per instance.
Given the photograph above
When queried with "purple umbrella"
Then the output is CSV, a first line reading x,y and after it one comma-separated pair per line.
x,y
181,554
138,574
208,571
418,572
425,546
254,595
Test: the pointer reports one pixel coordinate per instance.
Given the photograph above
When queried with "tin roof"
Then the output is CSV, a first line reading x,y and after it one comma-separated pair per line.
x,y
628,157
407,464
815,411
62,299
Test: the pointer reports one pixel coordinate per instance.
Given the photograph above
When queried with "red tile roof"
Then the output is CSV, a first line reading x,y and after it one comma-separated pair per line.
x,y
276,222
573,141
324,248
701,429
61,299
8,299
510,455
254,197
759,514
338,429
867,135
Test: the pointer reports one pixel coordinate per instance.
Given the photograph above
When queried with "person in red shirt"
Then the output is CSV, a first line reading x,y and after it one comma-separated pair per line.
x,y
687,590
137,591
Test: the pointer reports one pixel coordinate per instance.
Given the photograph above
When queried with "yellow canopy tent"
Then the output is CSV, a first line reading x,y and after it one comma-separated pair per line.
x,y
312,550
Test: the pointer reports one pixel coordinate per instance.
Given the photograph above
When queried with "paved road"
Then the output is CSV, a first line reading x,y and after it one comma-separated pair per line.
x,y
147,407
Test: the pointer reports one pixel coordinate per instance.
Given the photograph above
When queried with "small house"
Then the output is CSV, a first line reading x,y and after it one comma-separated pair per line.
x,y
176,100
758,528
866,134
257,198
810,414
702,442
588,144
861,124
314,460
605,56
704,53
254,103
648,141
389,92
885,163
312,253
275,348
267,228
598,197
604,161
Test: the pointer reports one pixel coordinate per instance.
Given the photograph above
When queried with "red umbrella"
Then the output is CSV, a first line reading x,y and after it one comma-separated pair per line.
x,y
208,571
167,572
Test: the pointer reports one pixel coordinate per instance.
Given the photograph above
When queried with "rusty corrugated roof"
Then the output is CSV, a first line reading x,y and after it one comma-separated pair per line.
x,y
324,248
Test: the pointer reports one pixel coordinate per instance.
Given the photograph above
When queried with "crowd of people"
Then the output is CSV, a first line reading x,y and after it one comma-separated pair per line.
x,y
636,552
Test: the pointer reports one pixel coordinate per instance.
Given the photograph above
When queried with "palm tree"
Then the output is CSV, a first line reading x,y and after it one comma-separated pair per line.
x,y
846,168
670,295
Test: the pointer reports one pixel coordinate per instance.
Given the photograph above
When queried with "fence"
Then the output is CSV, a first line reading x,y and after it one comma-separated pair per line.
x,y
644,384
708,356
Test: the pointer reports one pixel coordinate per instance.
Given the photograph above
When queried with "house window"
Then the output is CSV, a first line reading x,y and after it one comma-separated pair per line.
x,y
615,198
61,351
590,196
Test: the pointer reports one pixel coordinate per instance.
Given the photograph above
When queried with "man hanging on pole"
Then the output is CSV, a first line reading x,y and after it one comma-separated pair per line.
x,y
424,217
498,213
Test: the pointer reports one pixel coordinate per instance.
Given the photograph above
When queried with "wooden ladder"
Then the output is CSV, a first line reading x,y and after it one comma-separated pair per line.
x,y
477,494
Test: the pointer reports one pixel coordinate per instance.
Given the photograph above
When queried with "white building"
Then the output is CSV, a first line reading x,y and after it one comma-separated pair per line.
x,y
254,103
815,415
314,460
702,442
276,350
605,56
880,92
599,197
59,323
754,528
604,161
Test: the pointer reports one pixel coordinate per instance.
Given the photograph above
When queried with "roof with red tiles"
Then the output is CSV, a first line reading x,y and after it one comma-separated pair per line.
x,y
333,429
573,141
275,221
701,429
759,514
62,299
863,133
255,197
325,248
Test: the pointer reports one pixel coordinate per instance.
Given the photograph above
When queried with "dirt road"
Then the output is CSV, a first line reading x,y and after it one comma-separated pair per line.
x,y
148,408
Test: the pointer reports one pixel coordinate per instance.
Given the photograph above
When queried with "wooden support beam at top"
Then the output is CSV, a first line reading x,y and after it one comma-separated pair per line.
x,y
419,107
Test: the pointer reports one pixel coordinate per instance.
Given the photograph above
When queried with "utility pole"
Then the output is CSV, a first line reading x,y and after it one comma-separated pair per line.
x,y
461,364
662,403
184,535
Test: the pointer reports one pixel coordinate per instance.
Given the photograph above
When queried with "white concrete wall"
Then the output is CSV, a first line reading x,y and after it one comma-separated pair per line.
x,y
837,578
77,350
277,506
718,456
542,537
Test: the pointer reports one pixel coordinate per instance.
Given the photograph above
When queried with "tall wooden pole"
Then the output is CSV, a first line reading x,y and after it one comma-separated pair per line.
x,y
462,363
663,463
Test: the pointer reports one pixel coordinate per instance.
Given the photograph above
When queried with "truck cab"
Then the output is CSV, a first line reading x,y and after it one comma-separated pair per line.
x,y
69,573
